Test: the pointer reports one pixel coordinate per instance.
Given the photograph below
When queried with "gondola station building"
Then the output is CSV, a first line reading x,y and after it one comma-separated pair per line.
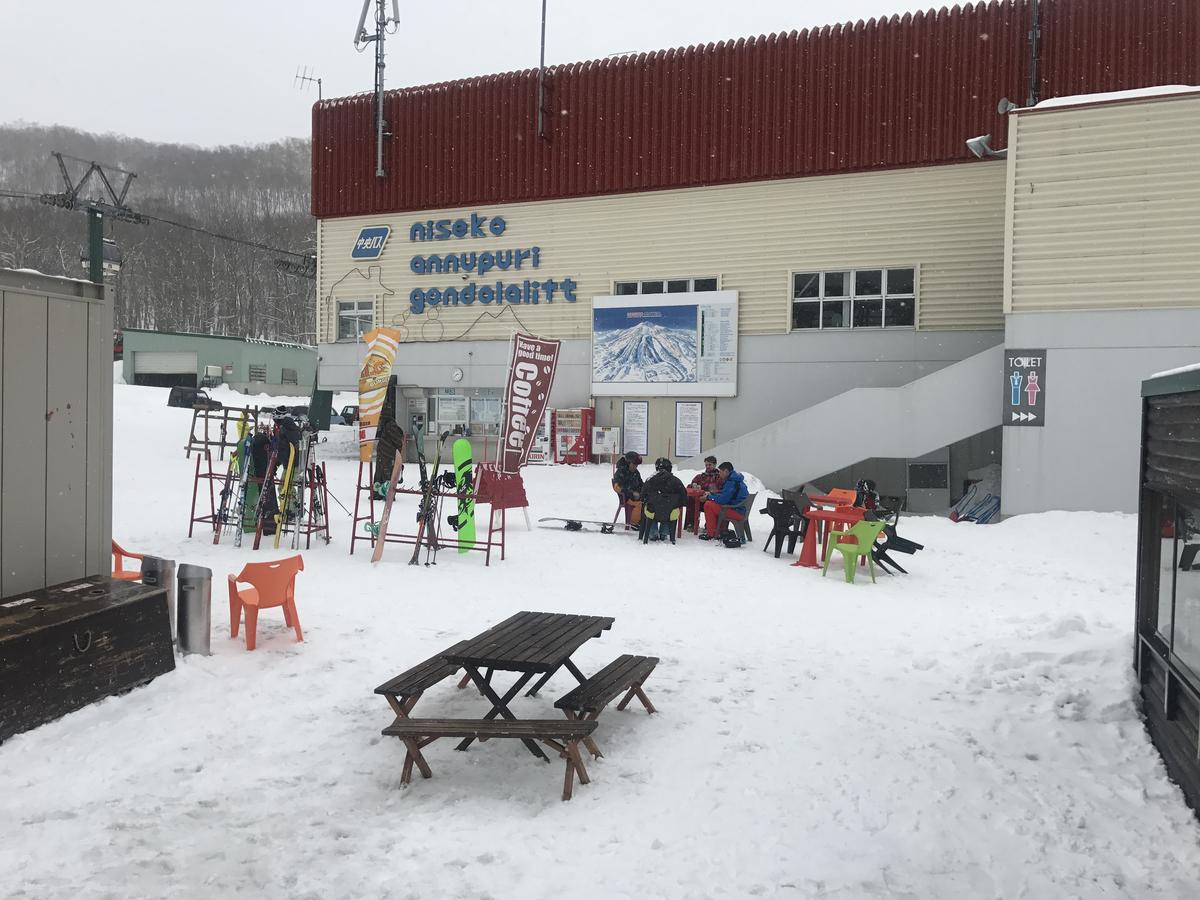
x,y
783,251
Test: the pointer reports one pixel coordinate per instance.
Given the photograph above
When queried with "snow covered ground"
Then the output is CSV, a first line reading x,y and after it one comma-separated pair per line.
x,y
967,731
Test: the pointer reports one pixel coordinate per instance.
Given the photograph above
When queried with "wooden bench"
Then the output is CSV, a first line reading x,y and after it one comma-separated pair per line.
x,y
561,736
625,673
403,691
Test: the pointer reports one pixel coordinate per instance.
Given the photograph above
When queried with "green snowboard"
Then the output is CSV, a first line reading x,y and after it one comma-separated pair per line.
x,y
464,486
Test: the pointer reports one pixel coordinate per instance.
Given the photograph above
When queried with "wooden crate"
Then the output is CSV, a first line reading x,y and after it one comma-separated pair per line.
x,y
69,645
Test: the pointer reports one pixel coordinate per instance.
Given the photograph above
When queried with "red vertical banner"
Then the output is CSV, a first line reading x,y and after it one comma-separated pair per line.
x,y
530,377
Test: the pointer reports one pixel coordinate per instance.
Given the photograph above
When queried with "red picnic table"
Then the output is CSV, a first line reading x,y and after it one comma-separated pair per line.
x,y
823,520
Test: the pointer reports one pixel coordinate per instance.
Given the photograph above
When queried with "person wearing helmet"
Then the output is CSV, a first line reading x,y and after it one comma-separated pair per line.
x,y
664,496
627,482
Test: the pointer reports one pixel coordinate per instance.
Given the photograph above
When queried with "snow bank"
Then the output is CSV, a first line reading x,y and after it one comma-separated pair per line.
x,y
966,731
1161,90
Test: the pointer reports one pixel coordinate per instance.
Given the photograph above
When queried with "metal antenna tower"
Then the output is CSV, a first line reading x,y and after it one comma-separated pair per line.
x,y
361,39
306,77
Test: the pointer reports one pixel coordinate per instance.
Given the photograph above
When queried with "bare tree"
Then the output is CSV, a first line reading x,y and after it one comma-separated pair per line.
x,y
173,278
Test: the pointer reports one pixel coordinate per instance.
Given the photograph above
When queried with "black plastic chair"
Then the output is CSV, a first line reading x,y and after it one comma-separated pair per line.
x,y
788,522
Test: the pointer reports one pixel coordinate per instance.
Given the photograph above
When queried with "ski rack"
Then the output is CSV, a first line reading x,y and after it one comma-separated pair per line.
x,y
369,490
222,419
441,540
318,495
213,492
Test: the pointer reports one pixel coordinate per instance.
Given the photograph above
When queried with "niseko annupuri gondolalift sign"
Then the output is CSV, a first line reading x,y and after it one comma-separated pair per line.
x,y
508,275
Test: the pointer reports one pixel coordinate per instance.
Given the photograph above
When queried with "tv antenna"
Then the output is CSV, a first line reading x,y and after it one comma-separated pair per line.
x,y
305,77
361,39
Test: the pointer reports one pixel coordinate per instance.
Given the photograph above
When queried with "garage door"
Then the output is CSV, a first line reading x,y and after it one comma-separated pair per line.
x,y
165,362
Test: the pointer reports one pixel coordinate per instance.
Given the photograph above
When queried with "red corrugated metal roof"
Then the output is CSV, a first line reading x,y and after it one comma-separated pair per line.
x,y
898,92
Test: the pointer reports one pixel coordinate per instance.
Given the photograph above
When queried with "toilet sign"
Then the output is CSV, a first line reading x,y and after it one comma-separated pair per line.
x,y
1024,387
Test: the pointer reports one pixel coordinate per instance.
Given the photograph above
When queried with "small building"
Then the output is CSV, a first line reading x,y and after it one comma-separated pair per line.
x,y
1168,578
56,446
250,365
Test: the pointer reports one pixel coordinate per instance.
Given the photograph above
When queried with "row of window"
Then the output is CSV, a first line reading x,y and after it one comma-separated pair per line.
x,y
854,298
286,376
844,298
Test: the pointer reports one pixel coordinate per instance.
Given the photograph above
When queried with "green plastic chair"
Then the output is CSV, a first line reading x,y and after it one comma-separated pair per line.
x,y
864,534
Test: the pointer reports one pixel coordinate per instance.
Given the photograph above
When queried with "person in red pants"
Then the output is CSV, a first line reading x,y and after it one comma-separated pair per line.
x,y
702,485
733,493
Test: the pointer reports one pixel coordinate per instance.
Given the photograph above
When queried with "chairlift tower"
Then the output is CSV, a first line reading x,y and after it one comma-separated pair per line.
x,y
361,39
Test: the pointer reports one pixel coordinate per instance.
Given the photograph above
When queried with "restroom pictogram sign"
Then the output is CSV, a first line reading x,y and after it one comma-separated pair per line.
x,y
1024,387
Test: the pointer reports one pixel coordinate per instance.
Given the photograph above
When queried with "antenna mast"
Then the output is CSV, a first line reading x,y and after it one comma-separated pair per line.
x,y
361,39
304,78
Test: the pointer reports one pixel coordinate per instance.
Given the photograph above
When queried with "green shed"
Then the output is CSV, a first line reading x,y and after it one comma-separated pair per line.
x,y
249,365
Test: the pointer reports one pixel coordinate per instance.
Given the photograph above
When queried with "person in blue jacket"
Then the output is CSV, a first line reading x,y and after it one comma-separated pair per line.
x,y
732,493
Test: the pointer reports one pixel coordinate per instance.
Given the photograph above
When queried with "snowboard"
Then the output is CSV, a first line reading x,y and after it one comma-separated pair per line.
x,y
578,525
285,494
381,534
464,486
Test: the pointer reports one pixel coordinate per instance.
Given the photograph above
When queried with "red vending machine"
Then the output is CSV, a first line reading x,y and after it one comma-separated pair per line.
x,y
573,435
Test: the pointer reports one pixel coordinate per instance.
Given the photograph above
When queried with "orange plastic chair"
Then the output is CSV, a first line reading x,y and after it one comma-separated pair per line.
x,y
272,584
119,571
844,496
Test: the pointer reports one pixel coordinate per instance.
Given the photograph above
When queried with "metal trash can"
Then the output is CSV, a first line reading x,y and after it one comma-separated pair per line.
x,y
195,608
158,572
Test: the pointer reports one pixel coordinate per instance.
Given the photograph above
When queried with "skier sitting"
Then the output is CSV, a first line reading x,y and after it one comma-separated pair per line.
x,y
733,494
664,496
627,482
703,484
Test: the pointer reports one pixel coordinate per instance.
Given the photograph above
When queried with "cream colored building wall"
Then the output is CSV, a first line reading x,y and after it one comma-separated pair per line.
x,y
948,221
1103,205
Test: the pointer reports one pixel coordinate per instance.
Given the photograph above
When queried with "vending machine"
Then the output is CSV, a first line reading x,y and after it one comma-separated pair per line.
x,y
539,450
573,435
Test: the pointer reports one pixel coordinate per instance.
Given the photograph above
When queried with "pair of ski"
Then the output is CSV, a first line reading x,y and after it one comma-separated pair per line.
x,y
233,494
463,522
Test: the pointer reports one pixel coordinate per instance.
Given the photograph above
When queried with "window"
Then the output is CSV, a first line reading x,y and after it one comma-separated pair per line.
x,y
258,373
449,412
288,376
485,412
664,286
1179,581
353,318
857,298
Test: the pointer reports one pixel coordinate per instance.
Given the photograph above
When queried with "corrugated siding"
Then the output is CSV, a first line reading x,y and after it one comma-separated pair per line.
x,y
1092,46
1105,207
892,93
948,221
1173,443
898,92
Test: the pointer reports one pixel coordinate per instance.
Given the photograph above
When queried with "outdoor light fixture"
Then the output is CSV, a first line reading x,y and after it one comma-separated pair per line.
x,y
982,147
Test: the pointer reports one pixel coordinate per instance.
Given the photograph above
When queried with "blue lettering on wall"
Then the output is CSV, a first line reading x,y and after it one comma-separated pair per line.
x,y
478,263
445,229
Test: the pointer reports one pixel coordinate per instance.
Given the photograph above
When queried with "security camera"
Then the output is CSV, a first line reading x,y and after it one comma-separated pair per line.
x,y
982,148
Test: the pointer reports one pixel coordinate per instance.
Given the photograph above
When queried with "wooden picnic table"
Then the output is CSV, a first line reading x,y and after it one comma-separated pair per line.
x,y
531,643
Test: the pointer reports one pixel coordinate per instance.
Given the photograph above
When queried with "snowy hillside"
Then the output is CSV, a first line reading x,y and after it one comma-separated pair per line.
x,y
645,352
967,731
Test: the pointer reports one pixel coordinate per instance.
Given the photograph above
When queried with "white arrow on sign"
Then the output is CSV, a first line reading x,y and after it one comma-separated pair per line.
x,y
1024,417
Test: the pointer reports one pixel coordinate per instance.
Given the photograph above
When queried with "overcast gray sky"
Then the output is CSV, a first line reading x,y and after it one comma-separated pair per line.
x,y
214,72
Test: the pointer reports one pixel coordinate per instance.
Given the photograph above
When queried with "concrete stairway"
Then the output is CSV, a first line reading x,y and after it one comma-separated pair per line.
x,y
945,406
